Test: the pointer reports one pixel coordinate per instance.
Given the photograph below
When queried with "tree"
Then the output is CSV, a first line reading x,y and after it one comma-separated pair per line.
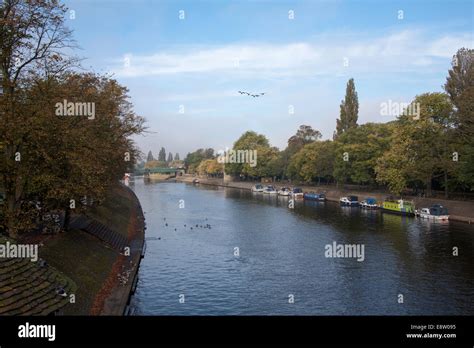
x,y
193,159
49,161
149,157
356,152
155,164
349,110
210,167
33,40
170,158
313,161
176,157
249,141
419,149
304,135
162,155
460,87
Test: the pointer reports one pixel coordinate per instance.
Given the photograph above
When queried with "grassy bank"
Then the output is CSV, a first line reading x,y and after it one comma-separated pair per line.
x,y
83,257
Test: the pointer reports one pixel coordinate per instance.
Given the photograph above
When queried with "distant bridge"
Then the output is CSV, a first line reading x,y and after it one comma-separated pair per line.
x,y
158,170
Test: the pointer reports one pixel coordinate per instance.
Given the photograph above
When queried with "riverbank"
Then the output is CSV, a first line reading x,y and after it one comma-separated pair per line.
x,y
459,210
92,254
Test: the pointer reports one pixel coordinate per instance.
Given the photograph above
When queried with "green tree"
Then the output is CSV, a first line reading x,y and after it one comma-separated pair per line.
x,y
315,161
349,110
357,150
248,141
193,159
460,87
419,149
150,157
162,155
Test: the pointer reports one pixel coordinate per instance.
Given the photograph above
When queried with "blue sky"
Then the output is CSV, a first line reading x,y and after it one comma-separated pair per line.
x,y
198,64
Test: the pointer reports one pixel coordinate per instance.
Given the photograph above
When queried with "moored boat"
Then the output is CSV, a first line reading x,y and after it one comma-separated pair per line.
x,y
284,191
369,203
313,196
297,193
257,188
352,201
435,212
270,190
398,206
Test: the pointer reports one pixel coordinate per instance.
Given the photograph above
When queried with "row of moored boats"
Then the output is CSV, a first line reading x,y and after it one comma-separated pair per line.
x,y
398,206
295,192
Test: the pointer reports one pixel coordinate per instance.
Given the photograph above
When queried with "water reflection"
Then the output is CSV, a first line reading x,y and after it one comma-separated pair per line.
x,y
281,252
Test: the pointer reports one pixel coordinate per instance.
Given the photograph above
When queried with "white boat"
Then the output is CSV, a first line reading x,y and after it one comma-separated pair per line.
x,y
270,189
257,188
284,191
350,201
297,193
436,212
369,203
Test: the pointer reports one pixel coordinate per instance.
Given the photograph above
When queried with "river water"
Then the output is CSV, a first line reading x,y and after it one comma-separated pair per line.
x,y
252,255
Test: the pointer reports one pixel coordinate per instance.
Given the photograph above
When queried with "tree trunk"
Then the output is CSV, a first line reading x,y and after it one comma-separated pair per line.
x,y
428,187
446,183
67,219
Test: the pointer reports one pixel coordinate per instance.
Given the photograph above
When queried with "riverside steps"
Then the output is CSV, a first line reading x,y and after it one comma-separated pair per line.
x,y
101,253
32,288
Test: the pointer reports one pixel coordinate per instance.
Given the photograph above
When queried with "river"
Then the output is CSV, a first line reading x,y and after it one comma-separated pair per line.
x,y
249,254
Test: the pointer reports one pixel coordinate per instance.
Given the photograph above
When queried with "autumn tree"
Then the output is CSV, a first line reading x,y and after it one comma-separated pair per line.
x,y
51,160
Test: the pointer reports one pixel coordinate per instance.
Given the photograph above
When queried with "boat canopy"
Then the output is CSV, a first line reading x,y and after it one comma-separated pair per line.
x,y
371,200
353,198
438,210
297,190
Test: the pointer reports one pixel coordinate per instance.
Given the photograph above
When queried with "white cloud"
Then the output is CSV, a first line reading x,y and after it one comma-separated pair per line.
x,y
400,51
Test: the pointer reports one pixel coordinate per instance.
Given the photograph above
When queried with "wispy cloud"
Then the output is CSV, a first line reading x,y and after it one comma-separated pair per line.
x,y
400,51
